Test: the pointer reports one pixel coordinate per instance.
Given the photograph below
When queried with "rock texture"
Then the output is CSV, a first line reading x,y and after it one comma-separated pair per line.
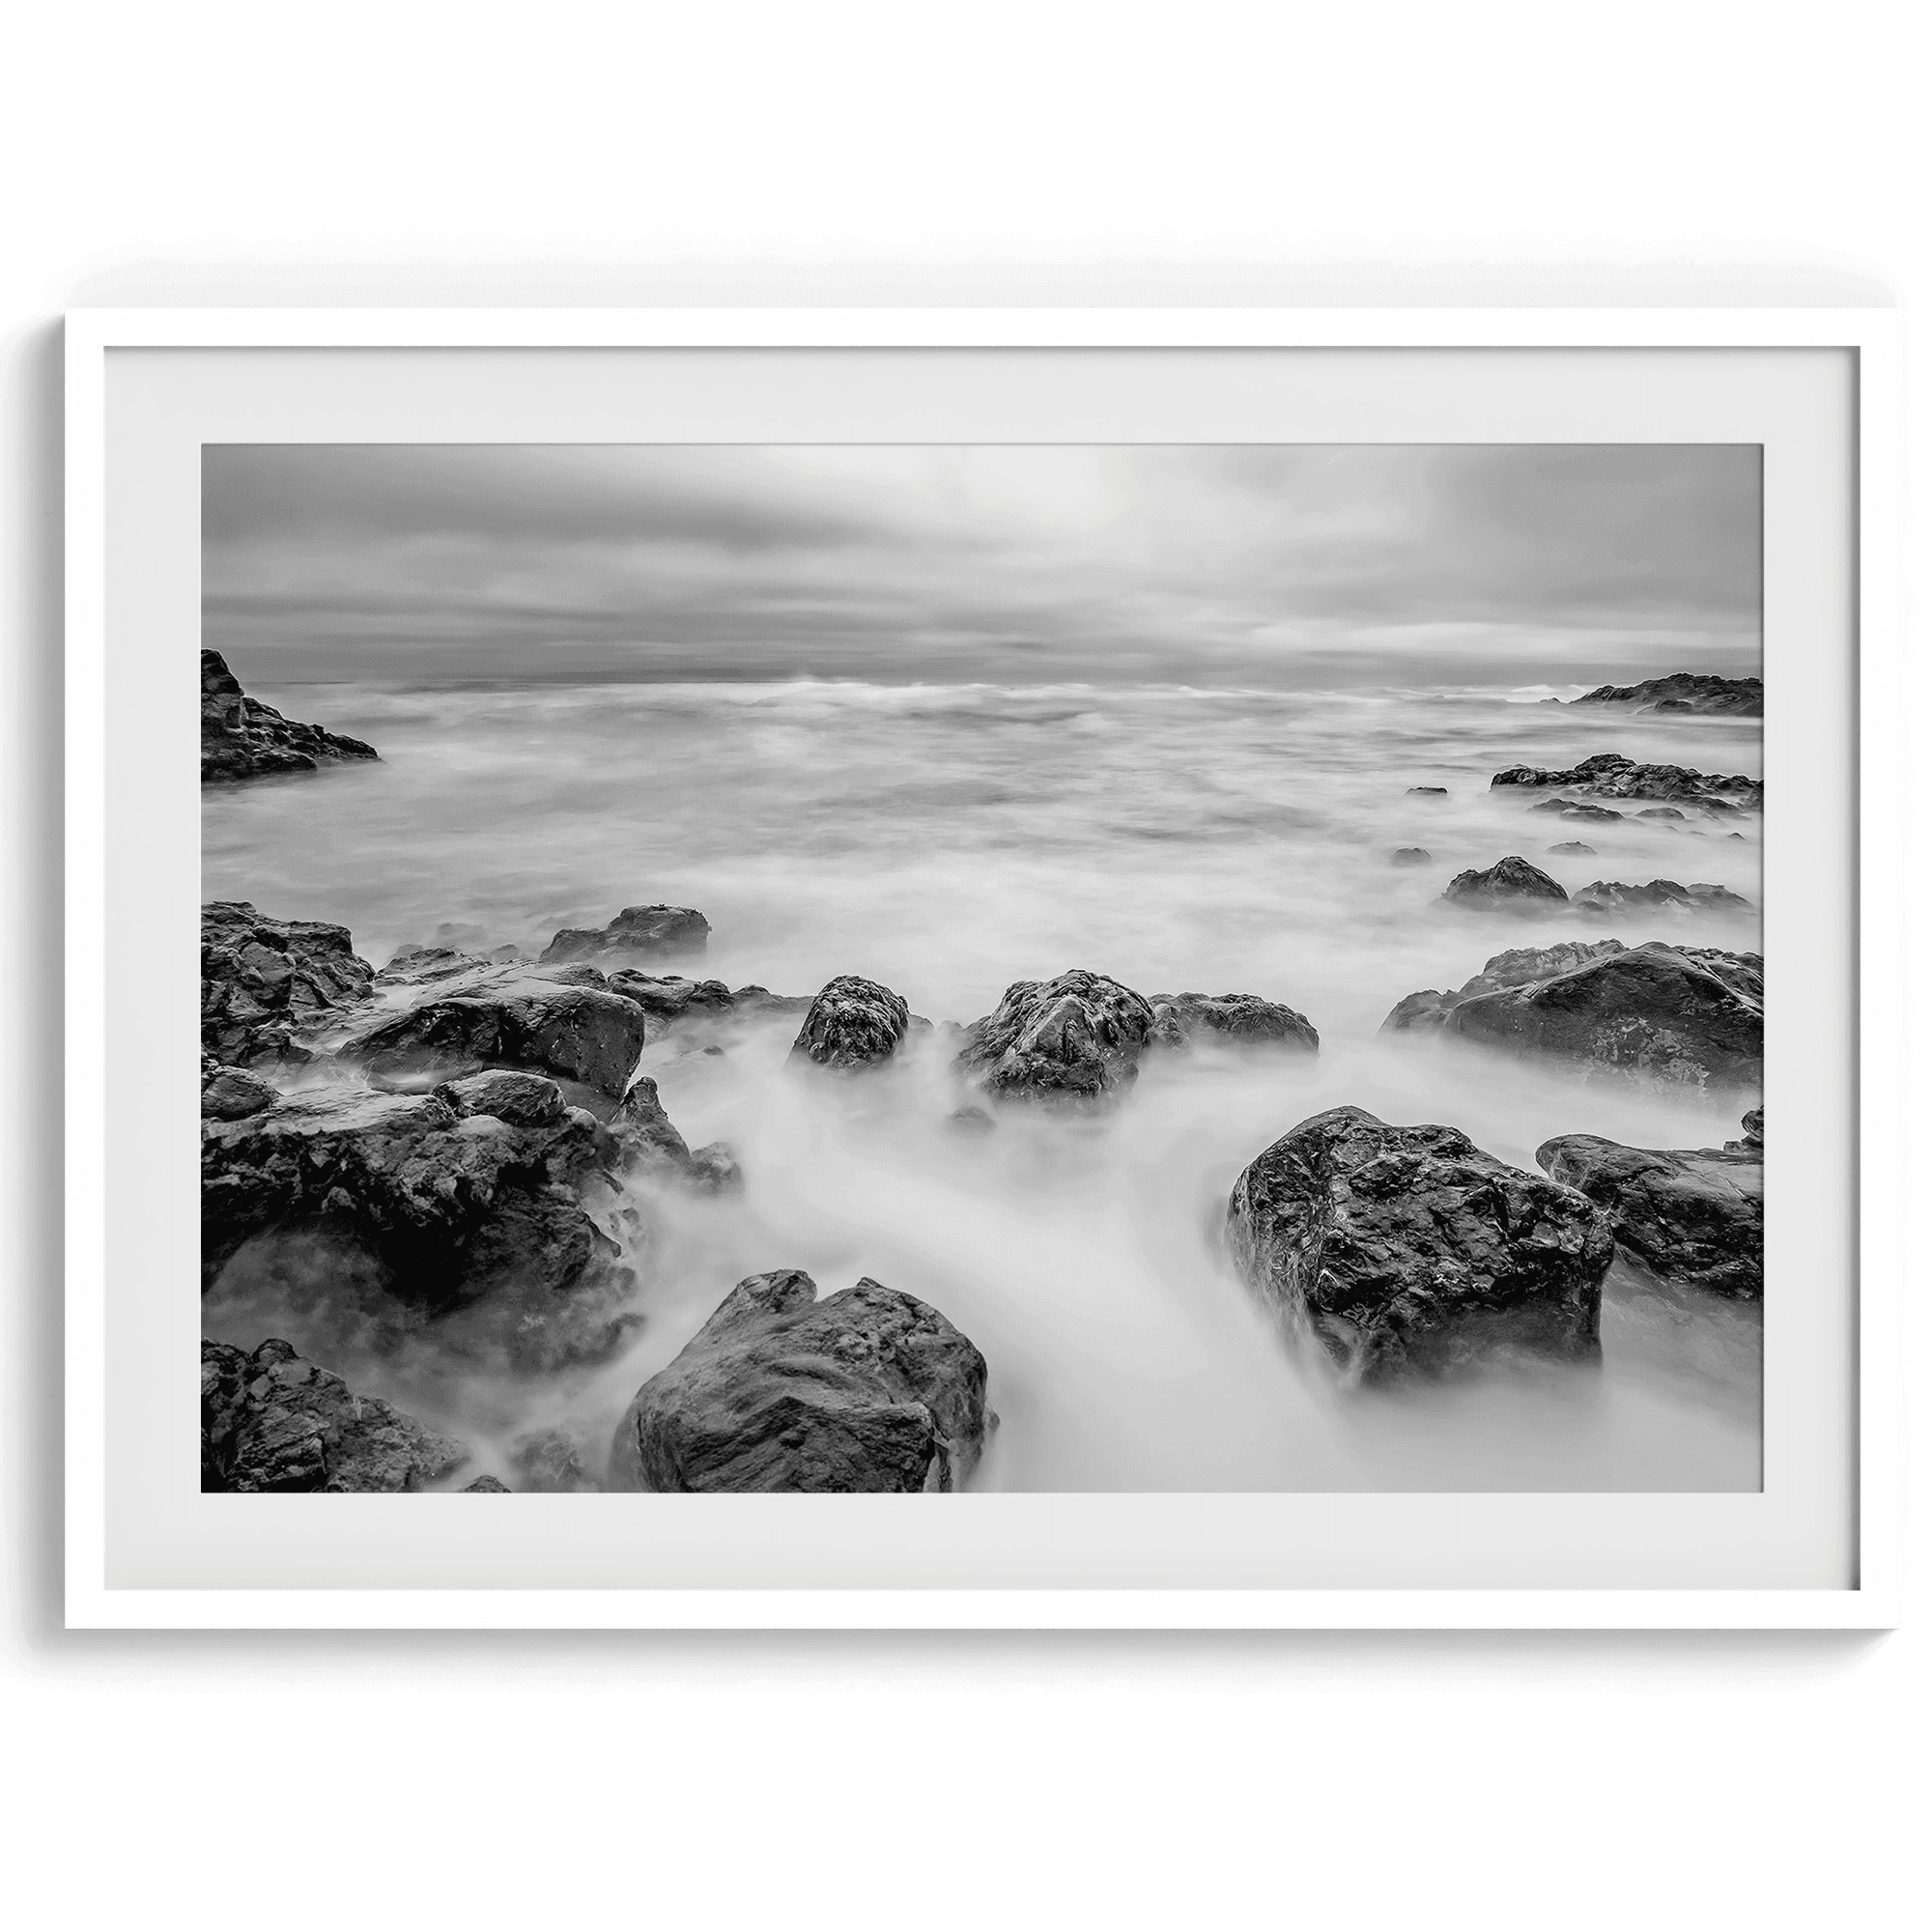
x,y
244,738
650,1144
1695,1216
1612,775
269,985
638,932
272,1423
1243,1019
852,1024
1072,1042
1510,884
866,1390
1685,690
1411,1252
1610,898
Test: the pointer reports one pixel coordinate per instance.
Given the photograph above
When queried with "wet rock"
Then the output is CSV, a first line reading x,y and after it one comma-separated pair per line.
x,y
582,1034
274,1424
1611,899
673,997
1574,848
1075,1041
1754,1134
1410,855
760,1002
1684,691
1612,775
852,1024
1695,1216
638,932
270,985
1576,808
486,1485
524,1099
1427,1011
242,738
867,1390
650,1144
229,1094
1245,1019
1510,884
1410,1252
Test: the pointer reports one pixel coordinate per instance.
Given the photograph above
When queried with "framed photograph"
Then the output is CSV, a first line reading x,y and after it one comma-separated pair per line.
x,y
973,968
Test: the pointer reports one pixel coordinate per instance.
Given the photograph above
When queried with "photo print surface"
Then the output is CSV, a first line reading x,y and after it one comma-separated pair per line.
x,y
982,968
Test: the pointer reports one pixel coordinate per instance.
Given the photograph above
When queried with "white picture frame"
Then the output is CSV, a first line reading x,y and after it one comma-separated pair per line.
x,y
1869,1596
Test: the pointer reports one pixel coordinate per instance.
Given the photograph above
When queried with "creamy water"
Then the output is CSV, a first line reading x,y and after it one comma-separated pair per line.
x,y
949,839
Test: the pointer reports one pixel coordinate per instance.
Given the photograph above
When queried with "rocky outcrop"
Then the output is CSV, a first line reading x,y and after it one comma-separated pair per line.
x,y
229,1094
1671,1017
274,1424
638,932
269,985
242,738
476,1222
1695,1217
1609,899
851,1025
1685,690
1410,855
867,1390
1073,1041
650,1144
1238,1019
524,1021
1612,775
1510,884
1410,1252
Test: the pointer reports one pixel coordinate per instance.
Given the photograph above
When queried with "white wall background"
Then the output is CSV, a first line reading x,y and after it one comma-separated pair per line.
x,y
411,151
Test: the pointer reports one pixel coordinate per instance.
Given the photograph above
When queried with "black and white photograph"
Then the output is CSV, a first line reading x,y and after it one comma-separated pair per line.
x,y
982,968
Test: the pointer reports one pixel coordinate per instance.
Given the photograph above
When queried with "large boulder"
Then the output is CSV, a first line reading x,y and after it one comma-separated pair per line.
x,y
274,1424
1510,884
1072,1042
1685,690
269,985
638,932
1695,1216
852,1024
869,1389
244,738
1239,1019
1612,775
480,1225
577,1032
1410,1252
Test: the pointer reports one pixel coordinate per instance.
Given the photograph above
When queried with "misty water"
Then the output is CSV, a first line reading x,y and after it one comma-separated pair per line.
x,y
948,840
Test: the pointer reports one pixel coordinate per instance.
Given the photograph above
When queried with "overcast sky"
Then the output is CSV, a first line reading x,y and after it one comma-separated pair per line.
x,y
1226,563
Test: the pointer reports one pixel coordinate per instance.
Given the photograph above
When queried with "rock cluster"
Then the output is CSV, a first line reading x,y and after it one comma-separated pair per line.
x,y
1609,898
1685,690
1612,775
1075,1041
867,1390
242,738
269,985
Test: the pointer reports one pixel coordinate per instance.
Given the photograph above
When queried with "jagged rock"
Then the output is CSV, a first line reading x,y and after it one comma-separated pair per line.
x,y
638,932
1685,690
464,1214
1692,1216
486,1485
650,1144
1410,855
228,1093
1574,848
1409,1251
1754,1136
272,1423
1612,775
427,966
269,985
582,1034
1609,899
1182,1019
852,1024
1510,884
866,1390
1075,1041
244,738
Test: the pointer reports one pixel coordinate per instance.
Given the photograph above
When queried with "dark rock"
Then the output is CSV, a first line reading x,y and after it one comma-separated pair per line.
x,y
1612,775
242,738
1420,1012
581,1033
852,1024
1429,792
1410,855
1076,1042
486,1485
673,997
1183,1019
1427,1011
1753,1127
269,985
524,1099
650,1144
426,966
1690,1216
1609,899
638,932
866,1390
1576,808
1409,1251
231,1094
759,1003
272,1423
1574,848
1685,690
550,1461
1510,884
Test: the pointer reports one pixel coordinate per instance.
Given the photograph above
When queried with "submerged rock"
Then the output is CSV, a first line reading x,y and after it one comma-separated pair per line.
x,y
867,1390
1576,808
1574,848
1685,690
269,985
242,738
1510,884
1608,898
1410,855
1411,1252
1695,1216
638,932
1612,775
1244,1019
1075,1041
1429,792
274,1424
852,1024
